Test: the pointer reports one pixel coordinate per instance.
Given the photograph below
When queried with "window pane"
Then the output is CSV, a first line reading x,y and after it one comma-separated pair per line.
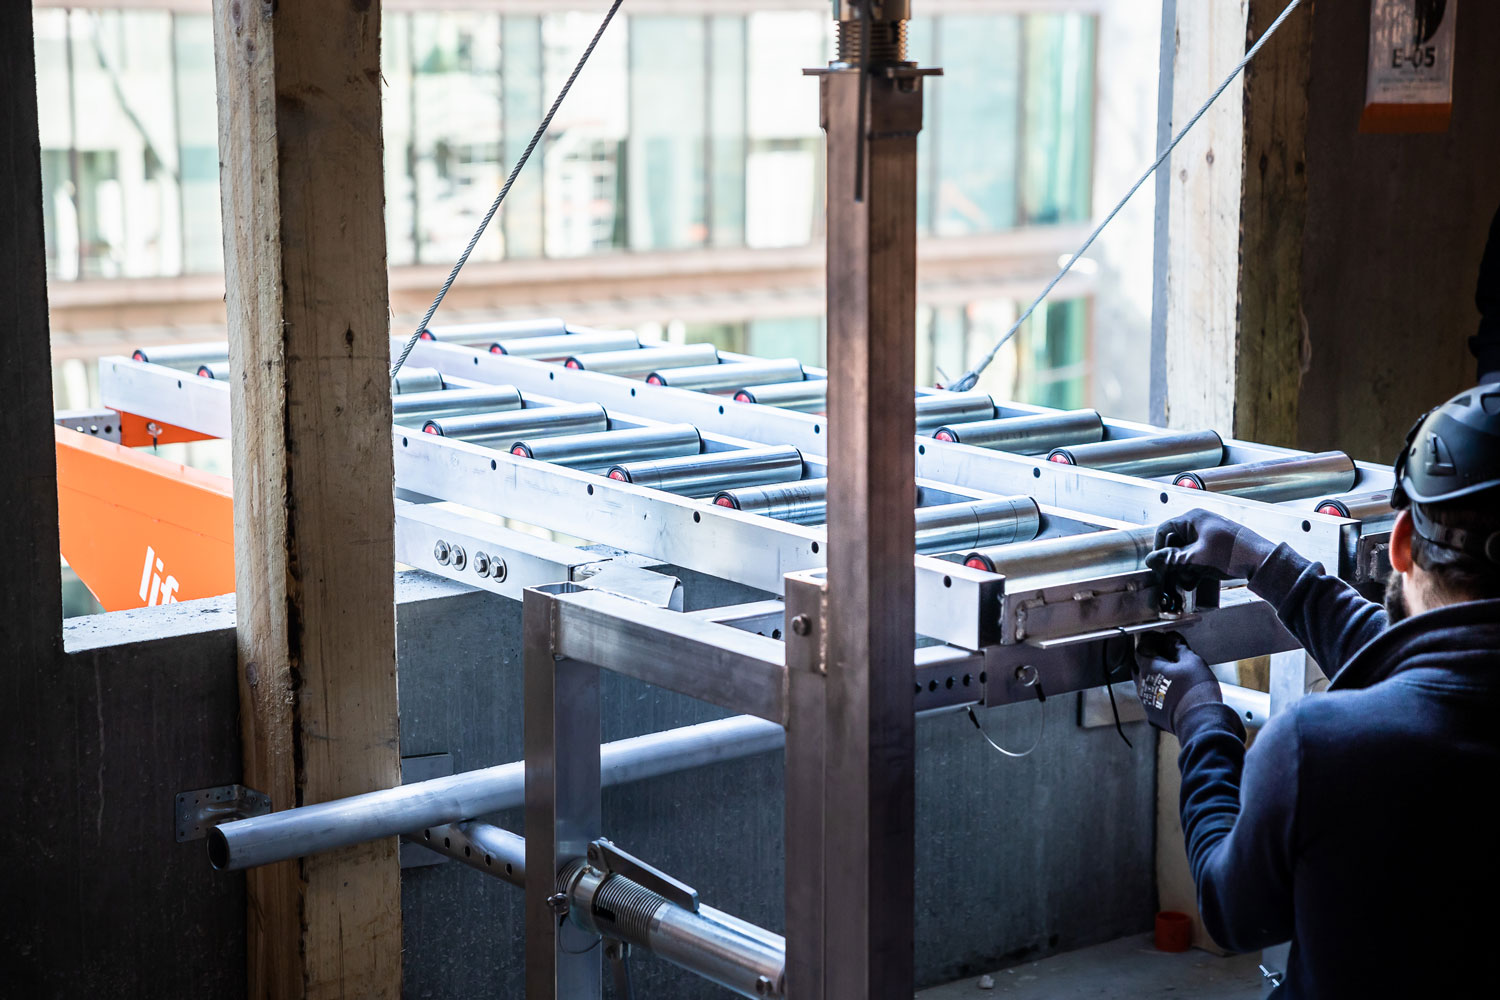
x,y
1059,118
976,102
784,167
457,131
668,114
521,56
921,48
54,115
198,142
799,337
586,144
729,99
398,122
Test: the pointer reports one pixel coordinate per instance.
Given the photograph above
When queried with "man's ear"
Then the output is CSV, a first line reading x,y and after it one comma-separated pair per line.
x,y
1400,550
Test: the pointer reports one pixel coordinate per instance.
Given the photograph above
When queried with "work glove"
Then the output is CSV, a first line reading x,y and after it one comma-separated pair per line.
x,y
1201,545
1171,679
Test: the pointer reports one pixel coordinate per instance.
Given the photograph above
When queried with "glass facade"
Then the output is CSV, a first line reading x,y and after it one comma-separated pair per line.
x,y
690,131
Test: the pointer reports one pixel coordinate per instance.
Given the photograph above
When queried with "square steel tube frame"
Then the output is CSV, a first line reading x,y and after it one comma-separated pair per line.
x,y
570,634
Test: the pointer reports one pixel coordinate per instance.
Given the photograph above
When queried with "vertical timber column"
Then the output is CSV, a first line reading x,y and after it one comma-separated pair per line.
x,y
305,270
1238,204
872,118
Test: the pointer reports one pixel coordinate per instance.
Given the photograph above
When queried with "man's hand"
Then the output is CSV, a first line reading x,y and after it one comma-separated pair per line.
x,y
1170,679
1201,545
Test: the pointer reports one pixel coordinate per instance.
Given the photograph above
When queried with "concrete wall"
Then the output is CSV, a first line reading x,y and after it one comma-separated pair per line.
x,y
1395,229
1015,858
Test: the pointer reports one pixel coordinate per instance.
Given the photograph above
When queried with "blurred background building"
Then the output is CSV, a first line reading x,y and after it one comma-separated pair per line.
x,y
679,192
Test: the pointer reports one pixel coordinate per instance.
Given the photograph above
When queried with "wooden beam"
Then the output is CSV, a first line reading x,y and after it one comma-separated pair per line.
x,y
1238,204
302,190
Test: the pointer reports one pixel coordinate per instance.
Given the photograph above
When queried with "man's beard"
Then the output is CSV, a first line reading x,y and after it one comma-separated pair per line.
x,y
1396,608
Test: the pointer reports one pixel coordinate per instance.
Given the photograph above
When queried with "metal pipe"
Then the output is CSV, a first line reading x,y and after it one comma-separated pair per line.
x,y
600,451
953,527
417,380
645,360
294,833
707,475
804,502
484,334
729,377
617,907
1033,435
1102,553
1277,479
808,396
941,408
1152,455
560,348
416,408
1360,506
185,356
217,370
504,427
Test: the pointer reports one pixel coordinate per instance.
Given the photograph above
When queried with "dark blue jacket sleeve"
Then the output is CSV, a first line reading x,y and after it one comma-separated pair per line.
x,y
1238,816
1323,613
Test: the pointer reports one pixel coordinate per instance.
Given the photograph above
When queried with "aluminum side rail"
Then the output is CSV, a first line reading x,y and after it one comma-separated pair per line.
x,y
1142,501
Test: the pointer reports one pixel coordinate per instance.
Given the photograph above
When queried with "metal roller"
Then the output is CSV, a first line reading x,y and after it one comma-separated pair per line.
x,y
706,475
416,380
1360,506
645,360
1156,455
534,421
953,527
1033,435
217,370
729,377
484,334
560,348
1291,478
807,396
1100,553
804,502
416,408
600,451
939,408
185,356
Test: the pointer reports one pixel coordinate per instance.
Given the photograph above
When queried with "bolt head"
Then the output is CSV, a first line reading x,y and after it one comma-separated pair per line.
x,y
441,552
557,903
481,564
498,570
460,557
801,625
763,986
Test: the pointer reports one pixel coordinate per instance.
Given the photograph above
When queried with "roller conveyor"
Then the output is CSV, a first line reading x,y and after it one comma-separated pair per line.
x,y
728,377
646,360
1031,435
1164,455
706,475
507,426
1292,478
561,348
604,449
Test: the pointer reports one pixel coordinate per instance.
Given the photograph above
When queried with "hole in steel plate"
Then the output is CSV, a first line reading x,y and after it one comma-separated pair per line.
x,y
921,449
632,392
488,860
721,410
447,842
552,376
932,685
1306,525
476,359
947,581
776,633
966,680
493,466
403,442
1036,473
984,677
697,517
815,547
591,490
1163,498
468,853
817,428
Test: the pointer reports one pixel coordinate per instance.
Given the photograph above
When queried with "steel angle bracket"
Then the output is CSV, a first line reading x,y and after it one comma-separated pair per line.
x,y
1070,612
198,810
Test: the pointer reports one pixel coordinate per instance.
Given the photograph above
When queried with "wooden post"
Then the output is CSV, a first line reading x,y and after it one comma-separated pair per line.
x,y
1238,190
305,269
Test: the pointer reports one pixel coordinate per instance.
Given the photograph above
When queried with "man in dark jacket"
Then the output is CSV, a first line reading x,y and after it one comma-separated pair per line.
x,y
1361,825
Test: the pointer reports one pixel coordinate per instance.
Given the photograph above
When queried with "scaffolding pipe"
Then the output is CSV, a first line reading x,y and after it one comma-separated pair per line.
x,y
295,833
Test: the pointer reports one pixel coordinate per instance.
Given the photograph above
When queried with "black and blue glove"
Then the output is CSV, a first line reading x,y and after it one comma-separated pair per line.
x,y
1171,679
1201,545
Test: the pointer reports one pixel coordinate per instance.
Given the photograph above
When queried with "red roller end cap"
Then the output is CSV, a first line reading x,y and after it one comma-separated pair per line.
x,y
978,563
1187,483
205,373
519,449
496,349
725,502
430,429
743,397
1331,509
138,355
426,335
618,476
1174,931
1060,459
572,363
945,436
654,380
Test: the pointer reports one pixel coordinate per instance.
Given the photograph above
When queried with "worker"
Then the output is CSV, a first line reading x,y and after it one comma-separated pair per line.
x,y
1359,825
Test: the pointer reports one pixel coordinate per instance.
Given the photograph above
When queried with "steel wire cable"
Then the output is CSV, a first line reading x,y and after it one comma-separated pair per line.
x,y
505,190
971,377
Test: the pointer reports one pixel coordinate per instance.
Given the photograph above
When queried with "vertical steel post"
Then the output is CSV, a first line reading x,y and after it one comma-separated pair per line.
x,y
805,794
562,800
872,112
